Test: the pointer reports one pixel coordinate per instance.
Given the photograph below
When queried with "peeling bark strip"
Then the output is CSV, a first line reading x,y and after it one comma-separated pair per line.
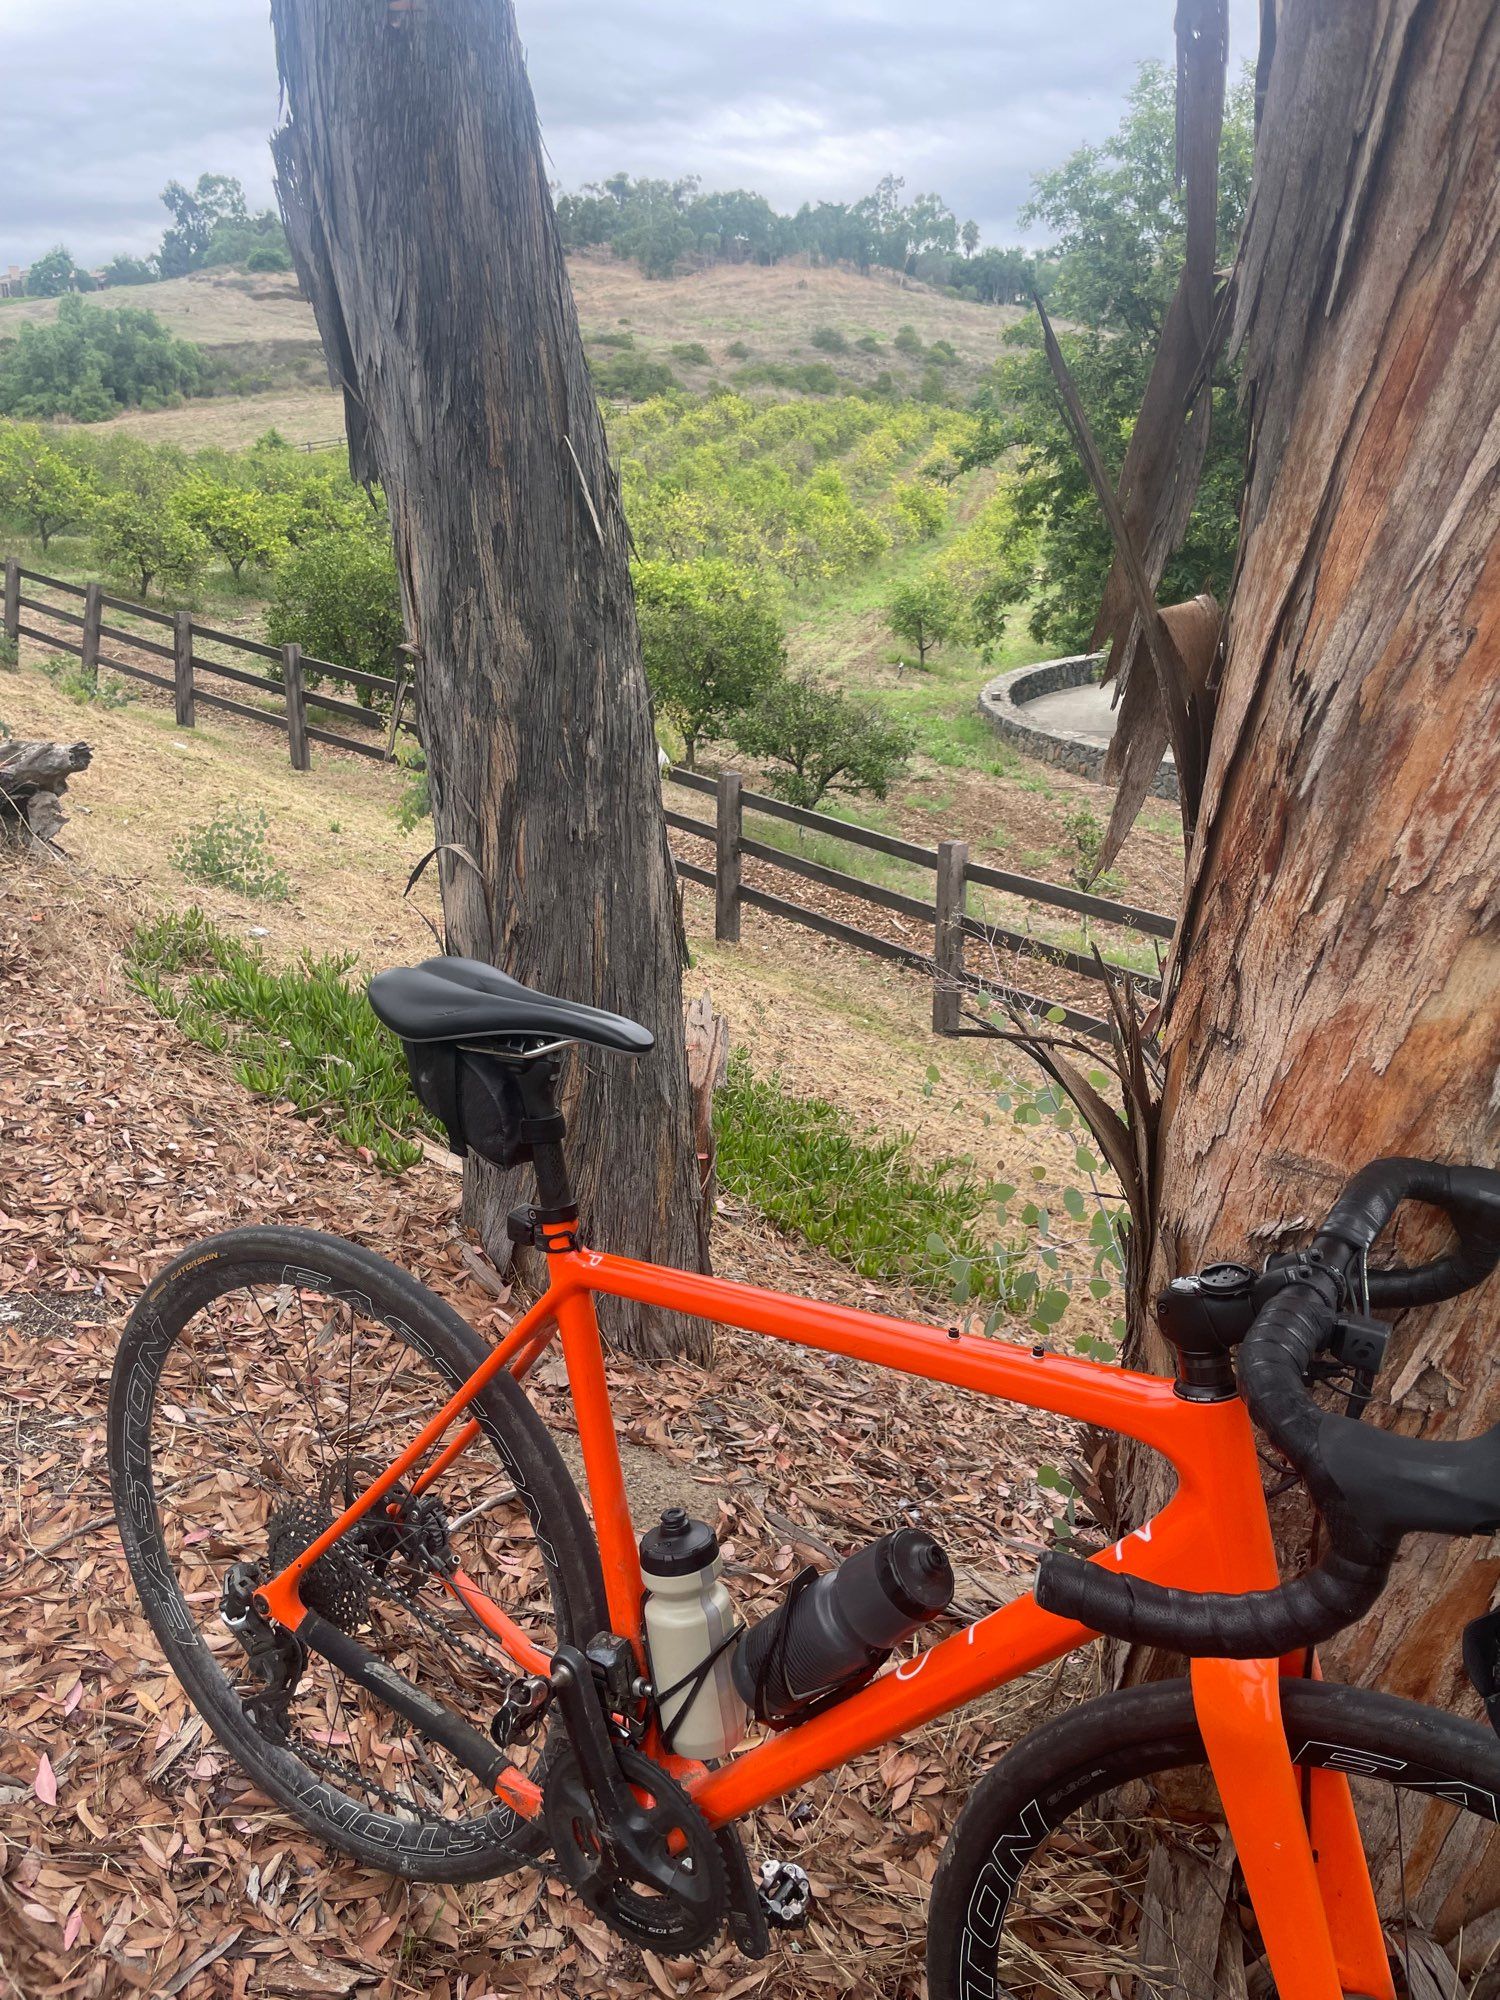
x,y
1340,966
414,188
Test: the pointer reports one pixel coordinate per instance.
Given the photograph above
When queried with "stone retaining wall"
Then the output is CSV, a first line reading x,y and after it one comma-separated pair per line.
x,y
1002,702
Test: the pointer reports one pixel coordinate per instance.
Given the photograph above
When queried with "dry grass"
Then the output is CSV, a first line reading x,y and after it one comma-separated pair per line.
x,y
213,308
303,416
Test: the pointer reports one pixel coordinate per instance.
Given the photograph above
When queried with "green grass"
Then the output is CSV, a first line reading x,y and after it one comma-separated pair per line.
x,y
303,1034
866,1199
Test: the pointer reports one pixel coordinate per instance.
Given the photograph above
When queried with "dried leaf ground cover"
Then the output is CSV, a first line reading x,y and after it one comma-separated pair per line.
x,y
133,1855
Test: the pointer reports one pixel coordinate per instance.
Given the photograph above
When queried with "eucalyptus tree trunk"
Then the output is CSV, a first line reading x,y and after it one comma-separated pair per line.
x,y
1338,966
414,187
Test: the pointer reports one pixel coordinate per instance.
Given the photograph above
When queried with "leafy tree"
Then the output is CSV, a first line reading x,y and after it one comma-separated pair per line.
x,y
124,270
145,542
239,524
823,740
92,361
1119,216
337,597
268,257
969,237
38,486
926,613
52,275
196,213
711,643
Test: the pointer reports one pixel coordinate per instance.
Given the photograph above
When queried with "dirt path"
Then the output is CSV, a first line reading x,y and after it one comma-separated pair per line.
x,y
136,1859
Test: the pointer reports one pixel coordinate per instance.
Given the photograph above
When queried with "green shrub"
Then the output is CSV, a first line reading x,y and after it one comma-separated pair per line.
x,y
303,1034
633,378
809,378
926,613
822,740
10,654
828,340
268,257
692,353
231,852
868,343
908,341
88,689
610,339
92,361
944,353
738,351
866,1199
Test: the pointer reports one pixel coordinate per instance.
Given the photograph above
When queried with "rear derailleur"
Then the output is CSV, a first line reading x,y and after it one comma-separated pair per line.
x,y
276,1656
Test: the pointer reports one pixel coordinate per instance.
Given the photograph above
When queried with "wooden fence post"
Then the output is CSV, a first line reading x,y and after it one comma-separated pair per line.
x,y
13,600
296,706
93,614
182,669
727,858
948,937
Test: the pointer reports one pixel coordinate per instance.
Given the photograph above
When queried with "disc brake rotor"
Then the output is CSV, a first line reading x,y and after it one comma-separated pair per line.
x,y
680,1919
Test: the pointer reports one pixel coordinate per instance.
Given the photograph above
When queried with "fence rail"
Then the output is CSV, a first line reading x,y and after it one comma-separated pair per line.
x,y
196,675
953,925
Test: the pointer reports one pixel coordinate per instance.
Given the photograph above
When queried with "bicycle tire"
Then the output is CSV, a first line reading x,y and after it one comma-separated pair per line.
x,y
978,1938
277,1261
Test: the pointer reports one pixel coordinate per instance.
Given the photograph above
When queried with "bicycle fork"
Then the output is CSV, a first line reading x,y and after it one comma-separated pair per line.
x,y
1296,1840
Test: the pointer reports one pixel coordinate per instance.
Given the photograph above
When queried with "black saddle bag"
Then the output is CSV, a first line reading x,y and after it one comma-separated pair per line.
x,y
476,1097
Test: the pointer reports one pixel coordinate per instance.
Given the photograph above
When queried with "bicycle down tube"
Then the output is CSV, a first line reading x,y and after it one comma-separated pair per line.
x,y
1212,1534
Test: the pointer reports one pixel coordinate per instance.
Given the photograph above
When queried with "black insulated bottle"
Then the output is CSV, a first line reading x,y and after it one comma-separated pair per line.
x,y
841,1626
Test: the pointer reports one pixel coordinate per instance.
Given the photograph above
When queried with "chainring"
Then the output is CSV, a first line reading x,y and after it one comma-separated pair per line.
x,y
590,1864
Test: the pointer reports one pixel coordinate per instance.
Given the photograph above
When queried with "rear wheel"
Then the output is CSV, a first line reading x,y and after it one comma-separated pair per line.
x,y
1046,1885
262,1382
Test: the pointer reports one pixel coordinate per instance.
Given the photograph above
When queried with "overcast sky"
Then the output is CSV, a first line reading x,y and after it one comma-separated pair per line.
x,y
103,101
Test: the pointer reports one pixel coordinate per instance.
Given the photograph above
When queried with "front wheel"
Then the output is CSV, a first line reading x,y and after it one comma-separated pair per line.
x,y
264,1380
1058,1876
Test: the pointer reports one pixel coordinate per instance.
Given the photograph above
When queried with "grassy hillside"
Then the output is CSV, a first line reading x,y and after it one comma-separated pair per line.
x,y
770,313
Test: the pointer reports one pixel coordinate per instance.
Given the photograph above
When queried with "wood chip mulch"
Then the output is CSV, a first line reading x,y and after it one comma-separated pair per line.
x,y
134,1857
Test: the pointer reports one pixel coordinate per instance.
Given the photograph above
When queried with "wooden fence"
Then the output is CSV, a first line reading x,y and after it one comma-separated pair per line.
x,y
191,673
953,927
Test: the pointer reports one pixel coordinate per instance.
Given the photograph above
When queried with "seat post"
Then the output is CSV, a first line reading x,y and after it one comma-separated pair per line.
x,y
544,1128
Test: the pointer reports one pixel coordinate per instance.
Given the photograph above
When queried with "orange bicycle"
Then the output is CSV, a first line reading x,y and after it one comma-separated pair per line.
x,y
367,1563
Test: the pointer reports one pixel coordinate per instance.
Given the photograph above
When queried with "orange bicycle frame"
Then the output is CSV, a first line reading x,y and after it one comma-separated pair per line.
x,y
1306,1872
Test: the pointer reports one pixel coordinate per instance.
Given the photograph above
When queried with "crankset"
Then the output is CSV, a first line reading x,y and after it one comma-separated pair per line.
x,y
653,1870
626,1836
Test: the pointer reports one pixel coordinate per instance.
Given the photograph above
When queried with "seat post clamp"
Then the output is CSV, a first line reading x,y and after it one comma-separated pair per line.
x,y
527,1225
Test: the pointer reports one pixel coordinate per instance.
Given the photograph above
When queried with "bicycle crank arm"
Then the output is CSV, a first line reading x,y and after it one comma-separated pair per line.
x,y
477,1754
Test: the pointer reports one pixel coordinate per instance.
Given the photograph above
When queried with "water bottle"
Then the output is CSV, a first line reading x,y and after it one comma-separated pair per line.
x,y
690,1622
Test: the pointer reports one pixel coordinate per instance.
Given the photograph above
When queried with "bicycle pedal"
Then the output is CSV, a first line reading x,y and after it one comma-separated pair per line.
x,y
785,1895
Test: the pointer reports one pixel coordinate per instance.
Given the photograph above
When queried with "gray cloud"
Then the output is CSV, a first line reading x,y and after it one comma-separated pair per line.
x,y
104,102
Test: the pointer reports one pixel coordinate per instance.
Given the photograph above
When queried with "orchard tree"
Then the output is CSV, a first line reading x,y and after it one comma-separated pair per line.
x,y
338,597
474,409
925,613
237,523
145,542
710,642
819,740
1333,994
38,486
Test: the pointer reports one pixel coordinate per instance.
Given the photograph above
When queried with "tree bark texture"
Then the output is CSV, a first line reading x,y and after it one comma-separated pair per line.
x,y
414,186
1338,993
